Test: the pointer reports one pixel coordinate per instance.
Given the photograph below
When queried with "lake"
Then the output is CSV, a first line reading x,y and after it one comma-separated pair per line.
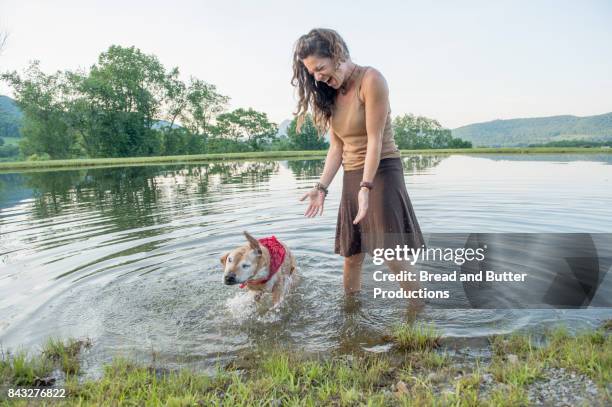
x,y
129,256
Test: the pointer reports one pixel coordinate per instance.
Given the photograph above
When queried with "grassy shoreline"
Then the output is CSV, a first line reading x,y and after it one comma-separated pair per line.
x,y
416,371
175,159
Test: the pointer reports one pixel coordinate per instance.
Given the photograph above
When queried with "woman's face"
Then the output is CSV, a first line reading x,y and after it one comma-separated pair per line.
x,y
323,70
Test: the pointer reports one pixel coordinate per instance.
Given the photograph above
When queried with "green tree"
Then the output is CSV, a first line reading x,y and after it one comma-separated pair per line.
x,y
180,140
197,105
43,101
246,126
9,151
120,100
175,99
203,104
308,138
419,132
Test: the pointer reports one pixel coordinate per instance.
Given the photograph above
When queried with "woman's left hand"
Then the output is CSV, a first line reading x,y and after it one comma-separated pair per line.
x,y
362,198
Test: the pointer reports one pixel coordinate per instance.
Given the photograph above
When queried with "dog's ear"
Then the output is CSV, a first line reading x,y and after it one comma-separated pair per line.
x,y
224,258
254,243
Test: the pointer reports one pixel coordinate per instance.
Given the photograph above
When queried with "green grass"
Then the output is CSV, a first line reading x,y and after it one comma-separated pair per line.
x,y
589,352
276,155
11,141
466,390
414,375
21,369
508,396
66,354
517,374
278,380
91,162
415,337
515,343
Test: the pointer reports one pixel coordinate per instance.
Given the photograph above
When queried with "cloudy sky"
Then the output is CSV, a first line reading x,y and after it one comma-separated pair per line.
x,y
459,62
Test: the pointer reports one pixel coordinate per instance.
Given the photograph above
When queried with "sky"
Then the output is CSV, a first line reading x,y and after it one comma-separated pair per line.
x,y
459,62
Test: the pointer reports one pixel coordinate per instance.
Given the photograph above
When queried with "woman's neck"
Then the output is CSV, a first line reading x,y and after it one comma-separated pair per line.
x,y
351,71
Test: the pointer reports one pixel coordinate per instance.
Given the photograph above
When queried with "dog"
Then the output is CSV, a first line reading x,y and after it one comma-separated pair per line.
x,y
263,266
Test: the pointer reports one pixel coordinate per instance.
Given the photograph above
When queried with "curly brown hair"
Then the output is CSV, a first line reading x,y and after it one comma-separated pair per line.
x,y
323,43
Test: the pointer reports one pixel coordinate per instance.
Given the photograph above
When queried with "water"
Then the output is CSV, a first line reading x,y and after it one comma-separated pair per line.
x,y
129,256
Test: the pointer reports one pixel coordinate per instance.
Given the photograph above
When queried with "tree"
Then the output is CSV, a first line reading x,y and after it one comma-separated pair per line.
x,y
248,126
308,138
128,104
203,103
176,98
419,132
120,99
197,105
9,151
180,140
42,98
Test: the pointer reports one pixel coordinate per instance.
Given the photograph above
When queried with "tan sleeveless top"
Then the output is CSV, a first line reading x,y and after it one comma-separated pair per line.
x,y
349,124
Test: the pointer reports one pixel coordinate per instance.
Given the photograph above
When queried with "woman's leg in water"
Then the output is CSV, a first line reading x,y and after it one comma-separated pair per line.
x,y
397,267
352,273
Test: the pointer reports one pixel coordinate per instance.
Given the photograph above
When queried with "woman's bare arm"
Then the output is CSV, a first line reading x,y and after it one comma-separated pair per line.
x,y
376,96
333,161
332,164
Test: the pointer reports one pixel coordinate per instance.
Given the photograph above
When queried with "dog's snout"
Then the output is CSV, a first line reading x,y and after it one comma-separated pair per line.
x,y
230,279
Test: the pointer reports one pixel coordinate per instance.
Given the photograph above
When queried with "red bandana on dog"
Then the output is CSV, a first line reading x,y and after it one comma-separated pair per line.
x,y
277,255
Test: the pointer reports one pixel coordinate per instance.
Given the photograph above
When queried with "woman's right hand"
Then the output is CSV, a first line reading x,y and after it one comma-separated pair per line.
x,y
317,198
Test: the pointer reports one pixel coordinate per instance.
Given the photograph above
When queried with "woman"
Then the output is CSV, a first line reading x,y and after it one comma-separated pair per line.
x,y
352,101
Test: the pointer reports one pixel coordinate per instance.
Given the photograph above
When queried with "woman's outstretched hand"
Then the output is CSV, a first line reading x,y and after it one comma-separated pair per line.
x,y
362,198
317,198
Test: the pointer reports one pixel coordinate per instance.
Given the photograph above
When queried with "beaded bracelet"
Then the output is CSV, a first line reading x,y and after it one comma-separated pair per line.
x,y
321,188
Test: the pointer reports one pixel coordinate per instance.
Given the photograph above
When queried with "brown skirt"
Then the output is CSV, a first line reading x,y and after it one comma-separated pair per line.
x,y
390,220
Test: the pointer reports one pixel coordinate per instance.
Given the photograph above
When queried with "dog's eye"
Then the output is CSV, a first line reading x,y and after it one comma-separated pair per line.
x,y
229,259
244,266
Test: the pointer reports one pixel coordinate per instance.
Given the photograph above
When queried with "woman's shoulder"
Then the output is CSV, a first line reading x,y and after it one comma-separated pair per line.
x,y
373,81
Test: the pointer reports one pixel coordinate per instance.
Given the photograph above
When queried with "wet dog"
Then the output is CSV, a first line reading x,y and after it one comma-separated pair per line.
x,y
261,265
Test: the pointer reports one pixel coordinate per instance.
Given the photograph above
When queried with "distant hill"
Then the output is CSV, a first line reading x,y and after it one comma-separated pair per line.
x,y
521,132
163,123
282,128
9,106
10,117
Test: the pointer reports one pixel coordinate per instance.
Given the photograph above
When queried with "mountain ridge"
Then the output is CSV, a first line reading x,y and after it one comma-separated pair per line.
x,y
524,131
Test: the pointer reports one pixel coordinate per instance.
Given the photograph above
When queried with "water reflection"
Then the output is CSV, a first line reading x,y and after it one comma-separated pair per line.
x,y
127,193
133,192
306,168
420,163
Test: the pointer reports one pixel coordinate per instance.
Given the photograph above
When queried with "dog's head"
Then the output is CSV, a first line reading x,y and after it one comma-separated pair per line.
x,y
243,263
